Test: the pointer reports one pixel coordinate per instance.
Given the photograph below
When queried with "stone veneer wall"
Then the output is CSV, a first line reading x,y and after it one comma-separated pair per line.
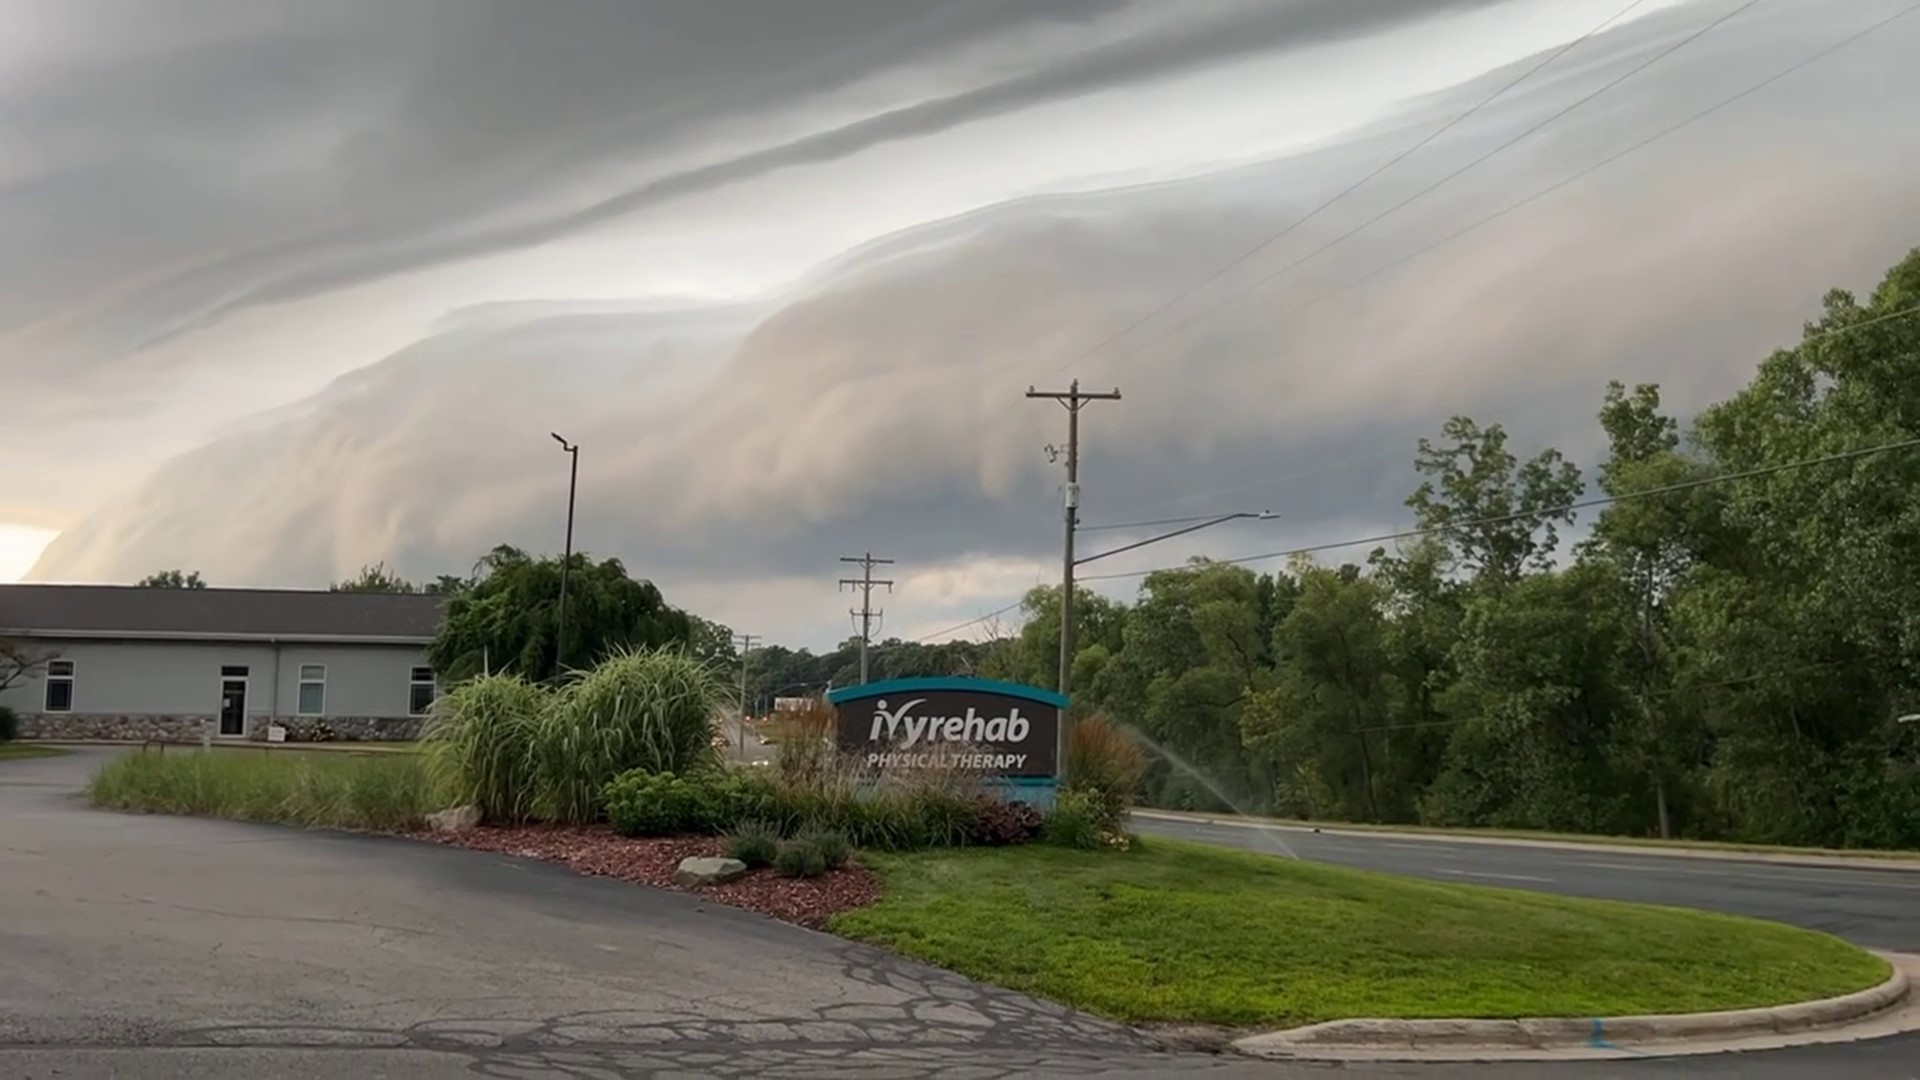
x,y
189,728
344,728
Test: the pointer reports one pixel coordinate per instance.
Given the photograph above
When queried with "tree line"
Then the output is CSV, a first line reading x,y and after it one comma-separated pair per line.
x,y
1728,653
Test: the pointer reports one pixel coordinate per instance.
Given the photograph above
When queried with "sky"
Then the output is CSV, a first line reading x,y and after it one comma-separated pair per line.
x,y
287,288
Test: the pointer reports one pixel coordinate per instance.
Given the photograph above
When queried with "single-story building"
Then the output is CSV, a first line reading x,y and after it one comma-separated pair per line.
x,y
123,662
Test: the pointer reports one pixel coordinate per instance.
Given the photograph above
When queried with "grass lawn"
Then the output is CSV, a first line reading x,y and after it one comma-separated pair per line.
x,y
1731,846
343,791
13,751
1175,932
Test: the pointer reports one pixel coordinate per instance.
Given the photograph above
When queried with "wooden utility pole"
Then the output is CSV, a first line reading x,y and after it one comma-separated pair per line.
x,y
746,647
1073,399
865,613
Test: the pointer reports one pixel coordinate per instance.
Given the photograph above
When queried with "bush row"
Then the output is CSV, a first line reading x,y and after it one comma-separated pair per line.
x,y
882,813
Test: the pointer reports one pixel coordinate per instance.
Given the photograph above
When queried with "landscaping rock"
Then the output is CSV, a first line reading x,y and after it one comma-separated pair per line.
x,y
696,871
458,819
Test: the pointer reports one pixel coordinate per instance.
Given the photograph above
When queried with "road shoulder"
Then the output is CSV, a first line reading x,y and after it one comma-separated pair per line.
x,y
1779,858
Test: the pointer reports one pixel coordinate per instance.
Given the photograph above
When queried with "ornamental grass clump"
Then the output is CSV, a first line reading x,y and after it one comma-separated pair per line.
x,y
652,710
479,744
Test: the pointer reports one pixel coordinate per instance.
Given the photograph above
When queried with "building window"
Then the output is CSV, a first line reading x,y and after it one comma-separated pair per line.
x,y
313,689
59,686
234,671
420,691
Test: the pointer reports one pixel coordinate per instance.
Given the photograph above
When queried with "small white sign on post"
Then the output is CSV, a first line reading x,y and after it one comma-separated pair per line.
x,y
276,733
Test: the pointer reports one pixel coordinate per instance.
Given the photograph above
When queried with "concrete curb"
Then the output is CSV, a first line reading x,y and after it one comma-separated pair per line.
x,y
1598,846
1550,1034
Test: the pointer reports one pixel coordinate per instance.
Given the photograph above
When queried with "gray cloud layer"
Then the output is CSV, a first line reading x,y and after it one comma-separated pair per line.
x,y
879,406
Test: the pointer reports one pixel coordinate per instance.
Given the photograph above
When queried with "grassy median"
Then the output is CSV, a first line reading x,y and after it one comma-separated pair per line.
x,y
332,790
13,751
1175,932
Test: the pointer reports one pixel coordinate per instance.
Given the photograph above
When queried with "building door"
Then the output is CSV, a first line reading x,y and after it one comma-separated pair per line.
x,y
233,706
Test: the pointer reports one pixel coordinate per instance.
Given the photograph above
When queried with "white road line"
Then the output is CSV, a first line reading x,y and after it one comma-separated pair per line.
x,y
1860,880
1495,877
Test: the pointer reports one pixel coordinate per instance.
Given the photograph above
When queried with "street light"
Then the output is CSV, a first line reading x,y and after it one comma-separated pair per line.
x,y
566,560
1910,718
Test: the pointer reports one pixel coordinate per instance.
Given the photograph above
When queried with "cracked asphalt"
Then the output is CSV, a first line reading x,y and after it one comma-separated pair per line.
x,y
157,947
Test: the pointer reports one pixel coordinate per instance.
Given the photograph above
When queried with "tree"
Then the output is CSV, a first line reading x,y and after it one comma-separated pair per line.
x,y
375,579
172,579
508,620
1496,515
20,661
1324,721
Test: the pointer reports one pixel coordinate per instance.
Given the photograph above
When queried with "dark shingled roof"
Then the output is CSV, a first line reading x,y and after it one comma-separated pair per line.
x,y
115,610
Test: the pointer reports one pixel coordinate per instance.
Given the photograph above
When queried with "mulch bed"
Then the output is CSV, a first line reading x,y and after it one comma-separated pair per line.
x,y
598,851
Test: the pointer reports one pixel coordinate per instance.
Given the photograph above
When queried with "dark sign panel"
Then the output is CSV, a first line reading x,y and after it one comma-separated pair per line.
x,y
992,728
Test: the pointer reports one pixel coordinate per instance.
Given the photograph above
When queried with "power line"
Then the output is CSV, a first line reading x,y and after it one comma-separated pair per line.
x,y
1386,537
975,621
1443,181
1275,238
1551,511
1358,459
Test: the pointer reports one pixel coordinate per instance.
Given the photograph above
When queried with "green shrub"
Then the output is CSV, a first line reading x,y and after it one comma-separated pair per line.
x,y
830,844
9,725
1107,763
797,860
713,800
478,744
651,710
756,843
1078,819
731,797
641,803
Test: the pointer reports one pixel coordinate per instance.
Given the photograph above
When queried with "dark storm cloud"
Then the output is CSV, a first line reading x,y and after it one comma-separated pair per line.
x,y
880,407
419,120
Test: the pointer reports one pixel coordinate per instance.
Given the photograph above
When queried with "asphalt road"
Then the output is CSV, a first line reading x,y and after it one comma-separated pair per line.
x,y
155,947
1879,909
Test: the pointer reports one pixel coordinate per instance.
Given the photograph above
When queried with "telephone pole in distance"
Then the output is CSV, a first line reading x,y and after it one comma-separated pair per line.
x,y
746,648
865,583
1073,399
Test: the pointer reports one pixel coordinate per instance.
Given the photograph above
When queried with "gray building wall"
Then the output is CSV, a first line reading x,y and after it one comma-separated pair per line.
x,y
139,689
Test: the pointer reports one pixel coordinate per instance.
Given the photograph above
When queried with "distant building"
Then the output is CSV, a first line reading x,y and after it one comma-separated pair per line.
x,y
120,662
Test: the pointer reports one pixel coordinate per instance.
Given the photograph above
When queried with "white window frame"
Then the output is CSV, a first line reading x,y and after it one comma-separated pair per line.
x,y
72,671
300,686
414,682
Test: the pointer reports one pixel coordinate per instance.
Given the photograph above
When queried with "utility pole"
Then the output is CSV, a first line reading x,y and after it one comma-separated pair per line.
x,y
746,648
865,583
1073,399
566,560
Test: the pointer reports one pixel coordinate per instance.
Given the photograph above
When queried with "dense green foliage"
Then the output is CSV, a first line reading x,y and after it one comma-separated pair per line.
x,y
887,812
316,788
1722,661
507,618
1183,933
521,751
9,724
